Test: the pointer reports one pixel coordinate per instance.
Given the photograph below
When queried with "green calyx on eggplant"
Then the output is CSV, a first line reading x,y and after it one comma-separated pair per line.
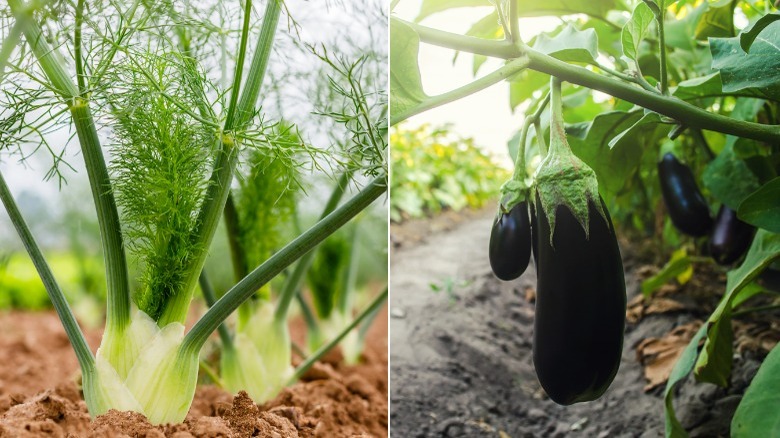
x,y
686,205
581,293
510,242
730,237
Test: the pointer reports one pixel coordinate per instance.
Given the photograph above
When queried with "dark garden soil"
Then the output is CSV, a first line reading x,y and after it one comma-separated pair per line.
x,y
462,346
39,395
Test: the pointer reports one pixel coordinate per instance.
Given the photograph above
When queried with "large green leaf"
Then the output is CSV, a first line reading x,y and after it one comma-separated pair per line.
x,y
680,371
487,27
570,45
613,166
757,413
749,34
706,87
635,30
594,8
717,21
758,69
679,33
728,177
405,82
649,125
762,207
609,37
430,7
523,85
714,362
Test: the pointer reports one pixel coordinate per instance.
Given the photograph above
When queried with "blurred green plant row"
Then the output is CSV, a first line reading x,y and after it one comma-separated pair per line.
x,y
21,288
433,170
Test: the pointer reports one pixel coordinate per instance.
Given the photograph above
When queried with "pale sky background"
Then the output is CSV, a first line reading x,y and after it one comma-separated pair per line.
x,y
485,115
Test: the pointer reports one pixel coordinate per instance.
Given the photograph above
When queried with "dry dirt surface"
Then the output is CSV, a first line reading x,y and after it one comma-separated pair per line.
x,y
462,348
39,395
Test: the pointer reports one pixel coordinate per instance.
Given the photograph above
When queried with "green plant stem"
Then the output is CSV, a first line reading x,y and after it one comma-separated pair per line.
x,y
72,330
237,255
251,92
118,293
372,308
224,166
293,283
511,68
556,115
210,297
638,79
77,44
367,322
350,275
118,296
308,315
662,52
9,43
503,21
667,105
698,136
495,48
542,143
239,71
748,310
264,273
520,170
212,373
297,349
49,59
514,23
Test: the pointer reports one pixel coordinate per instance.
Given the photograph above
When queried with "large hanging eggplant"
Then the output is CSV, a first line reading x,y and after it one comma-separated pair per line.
x,y
581,294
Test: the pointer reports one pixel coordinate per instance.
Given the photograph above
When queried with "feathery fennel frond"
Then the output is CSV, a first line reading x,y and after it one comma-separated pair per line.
x,y
28,117
266,196
360,106
161,162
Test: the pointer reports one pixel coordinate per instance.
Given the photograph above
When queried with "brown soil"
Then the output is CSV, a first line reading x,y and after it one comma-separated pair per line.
x,y
39,395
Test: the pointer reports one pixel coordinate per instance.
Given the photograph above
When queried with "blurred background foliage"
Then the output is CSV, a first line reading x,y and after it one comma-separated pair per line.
x,y
434,169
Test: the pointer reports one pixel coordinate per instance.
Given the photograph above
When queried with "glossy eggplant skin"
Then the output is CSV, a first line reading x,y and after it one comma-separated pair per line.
x,y
686,205
510,243
535,237
580,307
730,237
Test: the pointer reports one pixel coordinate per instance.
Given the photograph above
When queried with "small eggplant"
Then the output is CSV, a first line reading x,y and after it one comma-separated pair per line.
x,y
510,242
686,205
730,237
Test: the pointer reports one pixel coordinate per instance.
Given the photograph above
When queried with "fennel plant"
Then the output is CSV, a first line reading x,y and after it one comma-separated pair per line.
x,y
133,75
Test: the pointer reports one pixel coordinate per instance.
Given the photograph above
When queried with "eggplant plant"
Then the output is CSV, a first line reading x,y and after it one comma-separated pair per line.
x,y
138,78
698,79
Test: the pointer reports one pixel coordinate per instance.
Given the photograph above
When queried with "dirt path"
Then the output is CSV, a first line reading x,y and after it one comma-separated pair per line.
x,y
462,360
